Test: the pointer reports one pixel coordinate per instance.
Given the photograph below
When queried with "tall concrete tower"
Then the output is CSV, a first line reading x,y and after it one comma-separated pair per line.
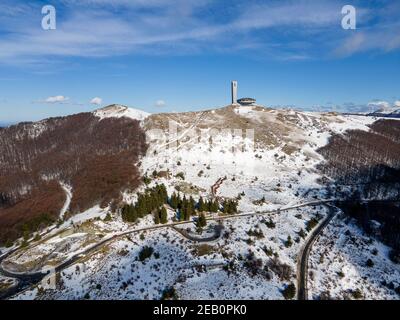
x,y
234,85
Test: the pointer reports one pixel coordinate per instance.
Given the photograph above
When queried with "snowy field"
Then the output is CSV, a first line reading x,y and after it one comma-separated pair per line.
x,y
339,265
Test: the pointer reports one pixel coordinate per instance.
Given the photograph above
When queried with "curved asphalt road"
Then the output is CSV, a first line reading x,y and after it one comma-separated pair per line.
x,y
302,263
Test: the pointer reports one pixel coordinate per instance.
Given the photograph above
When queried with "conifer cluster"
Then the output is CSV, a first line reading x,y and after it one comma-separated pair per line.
x,y
149,201
229,206
188,207
152,201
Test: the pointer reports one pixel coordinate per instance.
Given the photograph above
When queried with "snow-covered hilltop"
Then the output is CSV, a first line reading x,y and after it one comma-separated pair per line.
x,y
119,111
256,148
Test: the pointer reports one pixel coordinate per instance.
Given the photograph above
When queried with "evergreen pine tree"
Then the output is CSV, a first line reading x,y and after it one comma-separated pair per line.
x,y
163,215
174,201
164,193
156,217
185,209
179,202
209,206
229,206
124,213
214,206
289,242
302,233
133,214
289,292
225,207
182,214
201,222
191,207
201,205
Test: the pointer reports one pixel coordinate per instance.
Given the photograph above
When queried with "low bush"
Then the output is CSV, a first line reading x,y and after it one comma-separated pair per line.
x,y
289,292
145,253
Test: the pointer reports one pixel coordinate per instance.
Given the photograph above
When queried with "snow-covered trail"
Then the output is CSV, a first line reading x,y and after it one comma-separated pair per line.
x,y
68,192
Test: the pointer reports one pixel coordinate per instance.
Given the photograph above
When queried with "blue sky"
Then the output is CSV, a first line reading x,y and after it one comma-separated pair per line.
x,y
179,55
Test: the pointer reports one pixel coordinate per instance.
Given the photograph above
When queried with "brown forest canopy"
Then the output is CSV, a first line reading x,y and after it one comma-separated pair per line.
x,y
365,157
96,157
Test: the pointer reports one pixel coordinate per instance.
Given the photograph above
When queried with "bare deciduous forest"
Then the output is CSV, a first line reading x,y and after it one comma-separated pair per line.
x,y
97,158
370,162
364,157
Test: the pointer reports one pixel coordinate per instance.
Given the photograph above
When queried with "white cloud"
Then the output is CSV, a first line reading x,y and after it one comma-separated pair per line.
x,y
380,105
160,103
56,99
96,101
384,106
383,39
100,28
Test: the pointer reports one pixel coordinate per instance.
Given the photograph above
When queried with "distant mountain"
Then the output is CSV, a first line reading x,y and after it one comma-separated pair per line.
x,y
387,112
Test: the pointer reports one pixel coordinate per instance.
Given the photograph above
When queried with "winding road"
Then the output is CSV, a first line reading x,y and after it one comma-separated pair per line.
x,y
27,280
302,263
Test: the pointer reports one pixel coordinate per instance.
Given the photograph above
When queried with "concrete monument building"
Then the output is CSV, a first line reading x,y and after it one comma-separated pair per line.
x,y
242,101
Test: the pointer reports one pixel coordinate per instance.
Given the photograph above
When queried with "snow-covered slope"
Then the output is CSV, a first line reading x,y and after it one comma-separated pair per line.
x,y
118,111
339,269
265,159
261,152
